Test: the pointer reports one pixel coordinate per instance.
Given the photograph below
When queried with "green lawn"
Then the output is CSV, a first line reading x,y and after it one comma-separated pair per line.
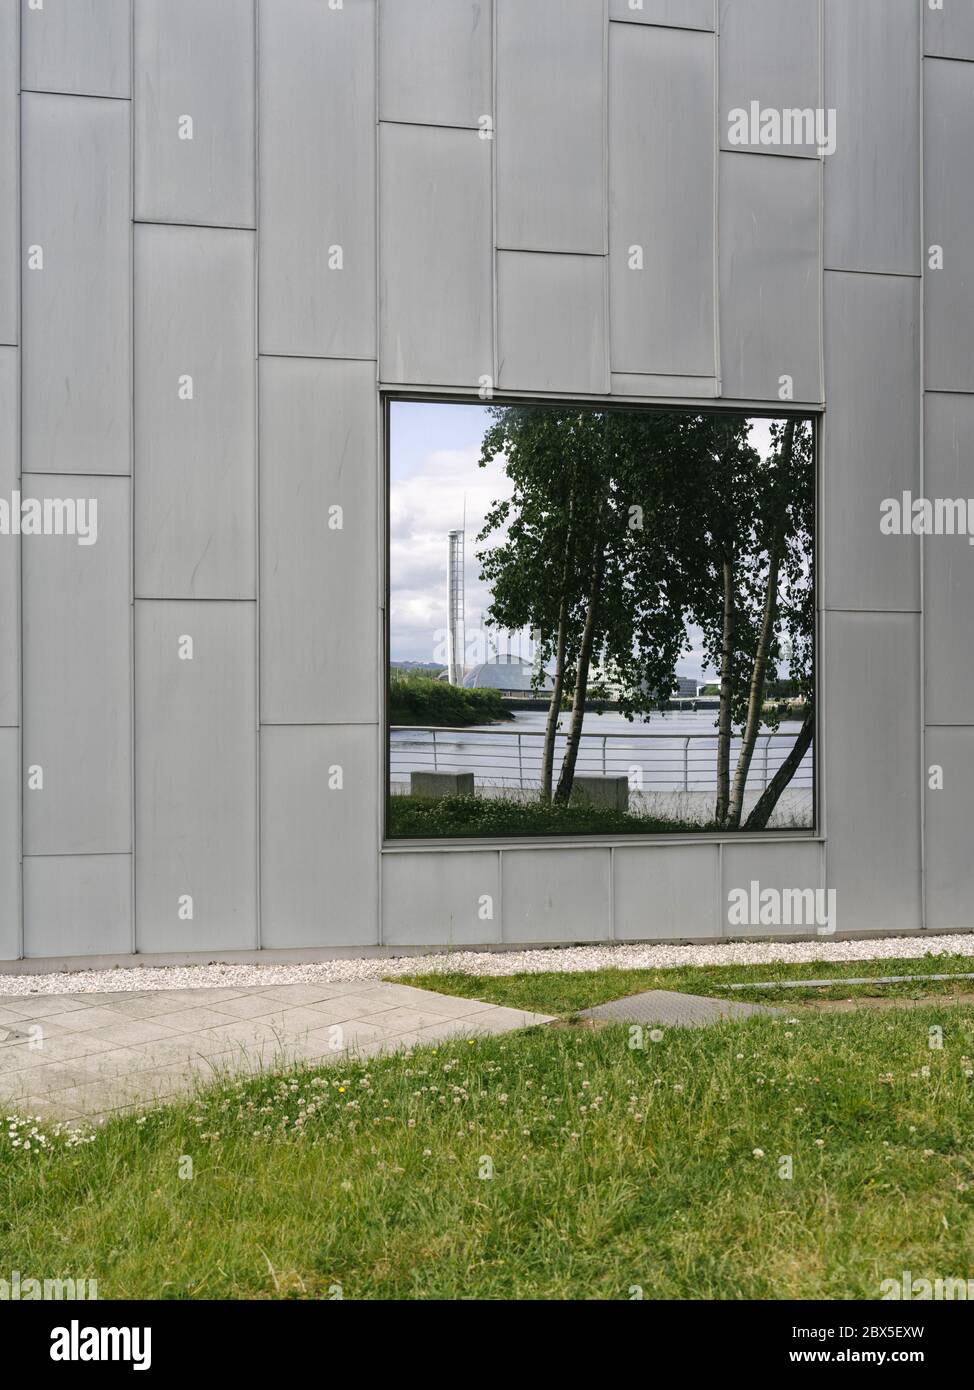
x,y
557,1163
561,993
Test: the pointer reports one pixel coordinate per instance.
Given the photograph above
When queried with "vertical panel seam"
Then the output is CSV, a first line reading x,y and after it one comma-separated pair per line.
x,y
20,800
922,442
133,792
258,750
381,472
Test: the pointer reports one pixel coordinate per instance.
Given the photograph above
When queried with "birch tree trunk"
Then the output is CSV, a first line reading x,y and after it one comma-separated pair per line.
x,y
726,693
769,617
581,676
768,800
755,699
554,706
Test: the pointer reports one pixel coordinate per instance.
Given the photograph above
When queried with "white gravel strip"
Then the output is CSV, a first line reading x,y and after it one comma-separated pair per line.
x,y
570,958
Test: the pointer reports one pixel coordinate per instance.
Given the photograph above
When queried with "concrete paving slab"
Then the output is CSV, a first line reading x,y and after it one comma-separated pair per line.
x,y
667,1009
106,1055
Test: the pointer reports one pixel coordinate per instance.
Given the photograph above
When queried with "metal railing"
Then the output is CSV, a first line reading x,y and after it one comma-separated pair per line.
x,y
652,762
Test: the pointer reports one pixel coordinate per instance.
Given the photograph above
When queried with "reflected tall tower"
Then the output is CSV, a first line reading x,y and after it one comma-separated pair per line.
x,y
456,617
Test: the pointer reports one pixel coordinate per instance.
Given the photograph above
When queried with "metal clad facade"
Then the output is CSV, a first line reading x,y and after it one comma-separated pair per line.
x,y
433,196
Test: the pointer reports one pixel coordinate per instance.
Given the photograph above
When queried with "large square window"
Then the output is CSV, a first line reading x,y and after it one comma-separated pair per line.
x,y
601,621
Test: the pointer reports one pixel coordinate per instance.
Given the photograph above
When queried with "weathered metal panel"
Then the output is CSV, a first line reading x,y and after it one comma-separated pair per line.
x,y
683,14
551,125
551,327
319,836
872,181
196,776
556,895
318,453
948,29
77,656
9,544
666,892
441,899
949,878
782,867
435,300
9,171
675,387
661,201
871,731
10,785
195,112
82,47
871,439
948,218
316,131
77,308
78,905
770,277
435,61
195,427
769,54
948,586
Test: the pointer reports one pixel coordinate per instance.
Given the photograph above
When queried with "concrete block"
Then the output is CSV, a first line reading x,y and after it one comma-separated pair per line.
x,y
602,791
441,784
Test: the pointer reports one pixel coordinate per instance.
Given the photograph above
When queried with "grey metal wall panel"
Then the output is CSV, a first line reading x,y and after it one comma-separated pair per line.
x,y
9,844
435,61
949,32
195,495
661,200
948,586
670,387
441,899
872,180
9,170
78,46
78,905
556,895
77,310
316,131
948,217
551,324
9,545
769,53
551,125
78,674
319,836
319,598
949,866
435,302
770,274
871,437
195,60
684,14
871,730
666,892
780,866
196,776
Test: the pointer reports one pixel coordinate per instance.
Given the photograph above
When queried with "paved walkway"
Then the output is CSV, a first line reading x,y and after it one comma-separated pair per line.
x,y
74,1056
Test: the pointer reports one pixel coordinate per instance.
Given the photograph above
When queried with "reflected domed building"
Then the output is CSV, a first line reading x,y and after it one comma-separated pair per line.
x,y
509,674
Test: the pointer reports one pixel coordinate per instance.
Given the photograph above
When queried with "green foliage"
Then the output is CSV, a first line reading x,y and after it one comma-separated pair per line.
x,y
419,700
623,529
610,1166
415,817
588,523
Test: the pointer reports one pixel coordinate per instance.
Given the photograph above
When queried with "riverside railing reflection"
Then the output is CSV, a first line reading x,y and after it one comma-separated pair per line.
x,y
653,762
